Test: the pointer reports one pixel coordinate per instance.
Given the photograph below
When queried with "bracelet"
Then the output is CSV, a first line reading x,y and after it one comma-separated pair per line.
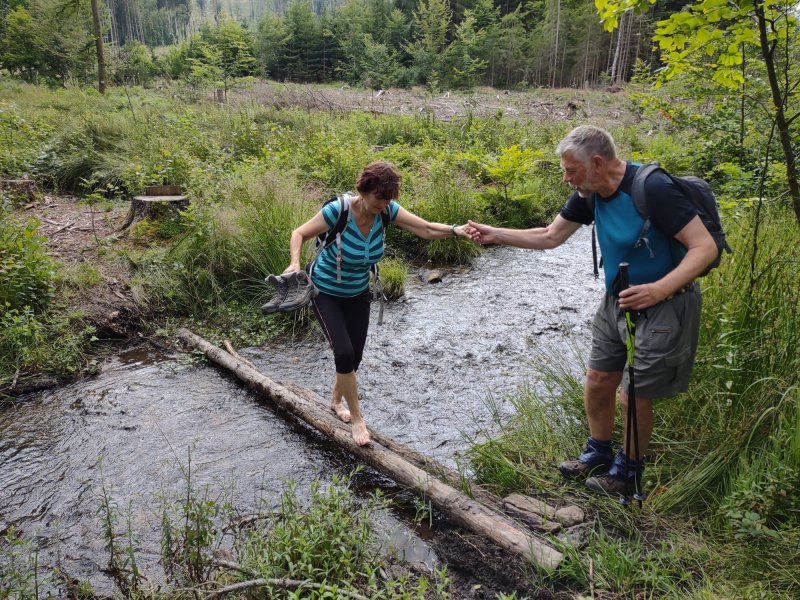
x,y
453,230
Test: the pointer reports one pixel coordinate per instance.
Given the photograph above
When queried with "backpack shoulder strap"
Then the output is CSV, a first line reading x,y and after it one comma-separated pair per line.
x,y
596,270
341,220
640,202
637,188
386,217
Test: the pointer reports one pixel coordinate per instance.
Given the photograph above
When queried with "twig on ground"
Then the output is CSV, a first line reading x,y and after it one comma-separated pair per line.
x,y
466,541
227,564
60,229
286,584
235,354
250,519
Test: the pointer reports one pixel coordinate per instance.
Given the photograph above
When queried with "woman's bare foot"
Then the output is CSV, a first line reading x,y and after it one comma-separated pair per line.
x,y
341,411
360,433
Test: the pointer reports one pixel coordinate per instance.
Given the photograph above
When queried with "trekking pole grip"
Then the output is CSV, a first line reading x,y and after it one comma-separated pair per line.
x,y
624,282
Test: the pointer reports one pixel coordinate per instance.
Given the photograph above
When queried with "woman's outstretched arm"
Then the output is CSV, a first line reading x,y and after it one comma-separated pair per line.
x,y
425,230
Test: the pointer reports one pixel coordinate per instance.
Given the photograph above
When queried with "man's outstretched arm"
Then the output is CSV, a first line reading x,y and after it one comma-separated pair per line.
x,y
536,238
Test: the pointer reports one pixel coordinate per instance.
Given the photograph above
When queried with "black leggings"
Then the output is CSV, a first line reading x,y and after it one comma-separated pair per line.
x,y
345,322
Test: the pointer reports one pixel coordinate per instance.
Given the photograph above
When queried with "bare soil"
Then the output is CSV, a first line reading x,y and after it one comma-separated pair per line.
x,y
79,233
537,105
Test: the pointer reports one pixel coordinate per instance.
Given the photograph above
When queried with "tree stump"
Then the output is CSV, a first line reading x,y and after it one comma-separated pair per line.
x,y
157,203
20,188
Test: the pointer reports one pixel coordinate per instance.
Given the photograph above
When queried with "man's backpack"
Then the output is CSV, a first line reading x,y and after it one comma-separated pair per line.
x,y
696,189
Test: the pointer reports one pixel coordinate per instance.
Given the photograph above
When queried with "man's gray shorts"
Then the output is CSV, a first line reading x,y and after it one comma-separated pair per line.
x,y
666,343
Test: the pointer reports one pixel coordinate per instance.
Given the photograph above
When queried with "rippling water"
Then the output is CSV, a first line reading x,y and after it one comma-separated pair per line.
x,y
426,374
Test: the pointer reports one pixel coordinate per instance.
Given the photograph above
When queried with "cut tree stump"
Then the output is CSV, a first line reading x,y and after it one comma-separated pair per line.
x,y
20,187
158,202
391,458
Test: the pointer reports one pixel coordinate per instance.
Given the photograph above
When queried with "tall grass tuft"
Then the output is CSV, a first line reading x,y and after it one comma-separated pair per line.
x,y
393,273
228,250
443,195
742,410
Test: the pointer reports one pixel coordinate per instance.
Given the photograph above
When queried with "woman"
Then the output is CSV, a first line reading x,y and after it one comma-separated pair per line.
x,y
341,272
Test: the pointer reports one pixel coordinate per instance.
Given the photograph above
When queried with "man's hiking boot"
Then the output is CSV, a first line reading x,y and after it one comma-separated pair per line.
x,y
596,456
620,480
300,292
608,484
281,289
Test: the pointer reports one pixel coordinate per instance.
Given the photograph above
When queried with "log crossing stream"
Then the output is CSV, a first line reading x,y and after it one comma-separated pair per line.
x,y
425,378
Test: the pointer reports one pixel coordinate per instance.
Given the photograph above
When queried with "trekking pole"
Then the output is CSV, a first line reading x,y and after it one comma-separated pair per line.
x,y
632,426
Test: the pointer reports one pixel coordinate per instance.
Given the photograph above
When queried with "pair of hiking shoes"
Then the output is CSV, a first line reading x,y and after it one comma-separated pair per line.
x,y
605,472
292,291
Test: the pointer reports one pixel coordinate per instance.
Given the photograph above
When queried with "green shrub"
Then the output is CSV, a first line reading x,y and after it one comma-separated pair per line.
x,y
393,275
26,271
20,334
55,342
442,196
21,140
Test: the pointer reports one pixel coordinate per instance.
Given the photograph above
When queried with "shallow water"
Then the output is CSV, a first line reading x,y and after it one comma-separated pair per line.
x,y
426,375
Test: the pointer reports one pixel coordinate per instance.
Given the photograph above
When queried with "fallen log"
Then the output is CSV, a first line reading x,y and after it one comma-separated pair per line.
x,y
463,510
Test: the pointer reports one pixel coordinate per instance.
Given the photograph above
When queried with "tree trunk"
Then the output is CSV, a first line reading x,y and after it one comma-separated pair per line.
x,y
768,52
618,50
554,66
460,508
98,42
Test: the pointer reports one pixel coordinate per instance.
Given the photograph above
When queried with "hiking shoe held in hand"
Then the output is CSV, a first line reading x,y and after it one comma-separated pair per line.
x,y
300,292
596,456
281,284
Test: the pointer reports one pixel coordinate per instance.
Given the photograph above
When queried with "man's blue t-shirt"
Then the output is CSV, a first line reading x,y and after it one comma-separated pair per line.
x,y
618,225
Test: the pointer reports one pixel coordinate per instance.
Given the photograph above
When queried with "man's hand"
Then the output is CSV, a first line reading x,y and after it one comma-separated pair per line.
x,y
292,268
640,297
480,234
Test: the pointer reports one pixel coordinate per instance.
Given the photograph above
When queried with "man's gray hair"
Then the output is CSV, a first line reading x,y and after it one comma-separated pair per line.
x,y
586,141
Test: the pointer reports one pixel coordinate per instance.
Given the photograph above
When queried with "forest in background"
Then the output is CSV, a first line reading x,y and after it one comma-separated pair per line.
x,y
373,43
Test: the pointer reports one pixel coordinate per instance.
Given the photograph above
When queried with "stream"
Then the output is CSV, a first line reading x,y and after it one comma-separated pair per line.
x,y
427,373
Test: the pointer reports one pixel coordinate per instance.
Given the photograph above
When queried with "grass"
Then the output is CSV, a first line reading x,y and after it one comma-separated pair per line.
x,y
393,273
327,543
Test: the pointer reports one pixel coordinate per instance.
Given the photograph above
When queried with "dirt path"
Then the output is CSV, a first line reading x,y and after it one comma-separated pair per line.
x,y
79,235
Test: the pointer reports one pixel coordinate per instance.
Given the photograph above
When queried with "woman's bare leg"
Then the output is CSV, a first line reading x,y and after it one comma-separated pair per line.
x,y
346,382
336,402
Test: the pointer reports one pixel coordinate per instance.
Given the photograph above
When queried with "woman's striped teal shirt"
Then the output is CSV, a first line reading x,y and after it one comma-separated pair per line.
x,y
359,253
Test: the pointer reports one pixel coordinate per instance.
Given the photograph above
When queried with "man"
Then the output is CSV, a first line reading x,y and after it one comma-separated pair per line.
x,y
662,292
